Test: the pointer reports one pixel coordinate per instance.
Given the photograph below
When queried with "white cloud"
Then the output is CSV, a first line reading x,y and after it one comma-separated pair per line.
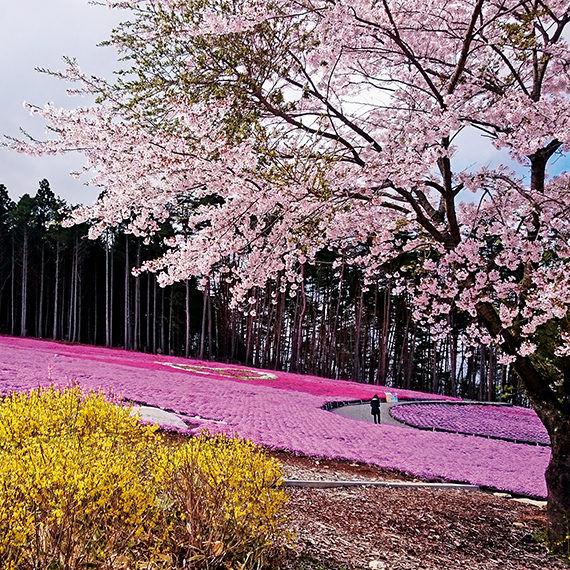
x,y
38,33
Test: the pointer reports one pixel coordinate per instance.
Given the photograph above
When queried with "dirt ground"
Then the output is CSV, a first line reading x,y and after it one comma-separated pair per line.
x,y
382,528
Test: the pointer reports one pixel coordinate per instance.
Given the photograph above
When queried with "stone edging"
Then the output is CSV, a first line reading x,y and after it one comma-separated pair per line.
x,y
389,484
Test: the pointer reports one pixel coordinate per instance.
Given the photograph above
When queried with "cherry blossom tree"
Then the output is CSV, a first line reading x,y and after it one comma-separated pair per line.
x,y
361,126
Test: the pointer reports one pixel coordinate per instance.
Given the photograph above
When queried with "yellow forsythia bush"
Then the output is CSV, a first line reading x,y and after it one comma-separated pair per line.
x,y
228,494
83,484
77,480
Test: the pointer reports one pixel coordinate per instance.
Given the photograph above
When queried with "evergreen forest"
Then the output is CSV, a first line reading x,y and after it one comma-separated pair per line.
x,y
56,283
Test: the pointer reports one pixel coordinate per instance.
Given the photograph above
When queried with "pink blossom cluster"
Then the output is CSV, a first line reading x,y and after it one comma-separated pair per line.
x,y
467,275
383,176
282,413
506,422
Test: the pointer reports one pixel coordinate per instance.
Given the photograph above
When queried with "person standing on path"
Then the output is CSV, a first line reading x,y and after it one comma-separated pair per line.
x,y
375,408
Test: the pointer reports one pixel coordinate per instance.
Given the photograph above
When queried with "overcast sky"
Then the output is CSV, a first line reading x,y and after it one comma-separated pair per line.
x,y
37,33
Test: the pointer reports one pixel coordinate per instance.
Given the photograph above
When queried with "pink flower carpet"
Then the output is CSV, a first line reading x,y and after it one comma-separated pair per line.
x,y
505,422
276,409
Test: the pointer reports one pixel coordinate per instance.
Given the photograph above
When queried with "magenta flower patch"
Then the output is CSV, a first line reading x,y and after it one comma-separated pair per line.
x,y
506,422
282,413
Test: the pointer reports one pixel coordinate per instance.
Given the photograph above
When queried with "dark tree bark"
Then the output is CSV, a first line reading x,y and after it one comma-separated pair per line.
x,y
127,307
384,336
40,320
555,415
187,330
137,307
107,296
154,314
13,291
357,336
148,313
24,288
205,300
55,330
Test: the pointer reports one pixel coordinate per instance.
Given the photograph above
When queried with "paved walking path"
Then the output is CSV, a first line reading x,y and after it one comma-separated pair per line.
x,y
362,412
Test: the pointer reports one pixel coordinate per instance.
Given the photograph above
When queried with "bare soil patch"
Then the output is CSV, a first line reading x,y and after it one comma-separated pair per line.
x,y
401,529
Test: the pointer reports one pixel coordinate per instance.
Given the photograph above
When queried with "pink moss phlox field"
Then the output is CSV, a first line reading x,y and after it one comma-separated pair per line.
x,y
284,413
333,389
508,422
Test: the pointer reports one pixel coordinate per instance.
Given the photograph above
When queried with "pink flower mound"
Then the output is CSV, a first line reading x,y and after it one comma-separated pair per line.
x,y
513,423
332,389
284,413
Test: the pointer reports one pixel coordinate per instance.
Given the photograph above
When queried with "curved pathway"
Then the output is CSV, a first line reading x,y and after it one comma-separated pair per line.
x,y
361,411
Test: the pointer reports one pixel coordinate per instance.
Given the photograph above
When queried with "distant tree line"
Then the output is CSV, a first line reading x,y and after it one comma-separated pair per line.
x,y
55,283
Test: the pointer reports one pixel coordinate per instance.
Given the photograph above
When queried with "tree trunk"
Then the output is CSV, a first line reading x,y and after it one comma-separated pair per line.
x,y
95,310
335,324
210,330
111,293
187,331
147,338
555,416
76,292
482,371
162,346
277,339
297,332
170,327
248,340
558,481
491,376
384,336
107,298
154,314
434,369
356,367
409,349
452,340
24,295
127,313
13,291
205,296
40,321
72,295
137,308
56,290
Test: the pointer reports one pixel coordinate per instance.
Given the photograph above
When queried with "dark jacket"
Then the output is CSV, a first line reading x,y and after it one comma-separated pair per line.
x,y
375,405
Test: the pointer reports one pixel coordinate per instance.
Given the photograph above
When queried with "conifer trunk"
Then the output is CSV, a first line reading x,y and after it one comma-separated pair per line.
x,y
137,325
12,291
40,321
24,292
187,331
107,298
127,307
56,290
